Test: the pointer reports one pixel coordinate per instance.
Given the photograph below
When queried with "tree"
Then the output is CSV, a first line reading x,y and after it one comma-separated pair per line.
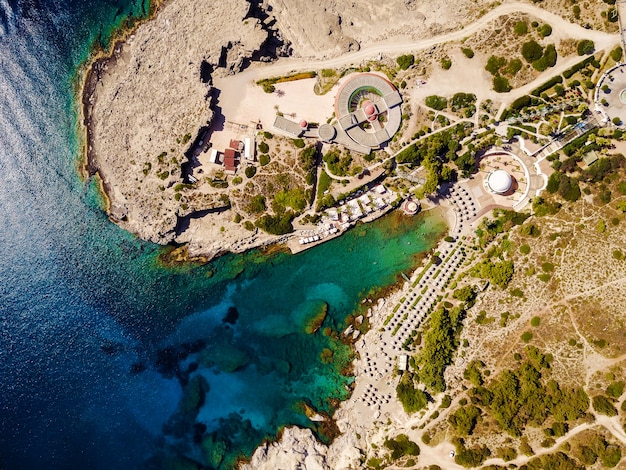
x,y
250,171
616,54
412,399
545,30
494,64
464,420
401,446
532,51
501,84
585,46
405,61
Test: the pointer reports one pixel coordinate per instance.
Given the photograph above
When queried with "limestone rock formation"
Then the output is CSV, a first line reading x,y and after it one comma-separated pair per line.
x,y
145,107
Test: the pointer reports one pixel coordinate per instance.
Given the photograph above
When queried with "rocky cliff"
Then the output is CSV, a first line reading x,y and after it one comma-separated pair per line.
x,y
146,106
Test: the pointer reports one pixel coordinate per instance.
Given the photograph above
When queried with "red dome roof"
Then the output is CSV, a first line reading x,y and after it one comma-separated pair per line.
x,y
369,109
304,124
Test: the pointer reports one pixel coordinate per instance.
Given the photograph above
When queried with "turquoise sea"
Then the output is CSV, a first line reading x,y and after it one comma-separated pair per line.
x,y
108,359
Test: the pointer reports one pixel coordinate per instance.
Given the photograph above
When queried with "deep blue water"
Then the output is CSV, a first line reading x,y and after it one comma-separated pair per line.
x,y
99,343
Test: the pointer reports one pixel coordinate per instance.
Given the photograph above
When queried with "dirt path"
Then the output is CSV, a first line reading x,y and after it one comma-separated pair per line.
x,y
233,87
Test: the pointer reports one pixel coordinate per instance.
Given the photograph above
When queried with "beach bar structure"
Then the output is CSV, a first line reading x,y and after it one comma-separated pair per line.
x,y
288,126
230,160
249,150
214,156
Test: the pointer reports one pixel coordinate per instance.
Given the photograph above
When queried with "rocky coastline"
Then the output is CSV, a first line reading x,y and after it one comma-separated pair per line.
x,y
151,97
141,124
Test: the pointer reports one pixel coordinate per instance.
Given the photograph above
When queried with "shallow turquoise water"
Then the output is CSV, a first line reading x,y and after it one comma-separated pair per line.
x,y
97,338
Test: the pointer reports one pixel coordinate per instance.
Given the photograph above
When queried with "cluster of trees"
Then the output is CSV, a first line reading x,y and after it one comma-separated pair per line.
x,y
277,224
465,294
540,58
308,160
462,100
502,222
596,447
440,342
470,457
604,405
499,273
543,207
464,420
323,184
295,198
564,185
433,153
518,398
337,163
413,399
401,446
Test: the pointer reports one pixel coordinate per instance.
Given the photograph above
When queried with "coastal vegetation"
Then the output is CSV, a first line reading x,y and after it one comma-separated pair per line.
x,y
268,83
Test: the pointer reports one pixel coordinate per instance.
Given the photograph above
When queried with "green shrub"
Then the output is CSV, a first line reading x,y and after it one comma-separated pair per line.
x,y
535,321
436,102
401,446
494,64
514,66
299,143
615,390
616,54
517,292
585,46
405,61
250,171
545,30
547,85
469,53
501,84
264,159
446,63
527,336
446,401
603,405
611,456
278,224
264,147
507,453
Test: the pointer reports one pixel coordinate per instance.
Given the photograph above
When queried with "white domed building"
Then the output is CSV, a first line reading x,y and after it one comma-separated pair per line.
x,y
499,182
